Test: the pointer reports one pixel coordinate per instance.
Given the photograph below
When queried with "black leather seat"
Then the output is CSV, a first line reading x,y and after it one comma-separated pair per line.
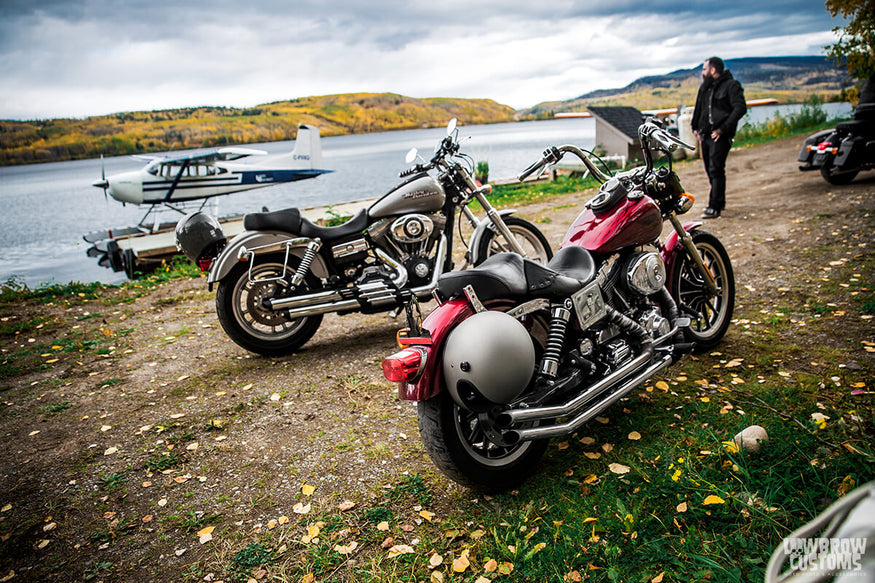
x,y
507,275
290,221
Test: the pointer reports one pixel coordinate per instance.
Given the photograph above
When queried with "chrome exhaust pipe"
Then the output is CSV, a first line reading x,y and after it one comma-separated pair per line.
x,y
562,429
508,418
335,301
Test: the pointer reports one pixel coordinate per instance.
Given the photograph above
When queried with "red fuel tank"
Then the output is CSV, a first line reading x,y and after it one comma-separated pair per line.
x,y
634,221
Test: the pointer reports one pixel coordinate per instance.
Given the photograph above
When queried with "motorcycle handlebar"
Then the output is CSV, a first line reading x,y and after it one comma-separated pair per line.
x,y
554,154
415,169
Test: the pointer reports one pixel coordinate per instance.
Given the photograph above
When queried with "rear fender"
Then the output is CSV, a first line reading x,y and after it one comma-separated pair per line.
x,y
268,242
810,144
673,249
439,323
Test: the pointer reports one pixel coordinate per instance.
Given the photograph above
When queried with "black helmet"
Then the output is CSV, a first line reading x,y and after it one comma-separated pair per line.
x,y
199,236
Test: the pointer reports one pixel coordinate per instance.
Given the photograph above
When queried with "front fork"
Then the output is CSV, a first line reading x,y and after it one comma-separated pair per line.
x,y
479,194
687,241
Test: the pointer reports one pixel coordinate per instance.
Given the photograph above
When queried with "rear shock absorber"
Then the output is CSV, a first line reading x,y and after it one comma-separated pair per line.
x,y
312,248
559,319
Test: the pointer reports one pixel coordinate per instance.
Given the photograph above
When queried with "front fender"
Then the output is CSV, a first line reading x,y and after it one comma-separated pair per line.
x,y
673,248
481,230
271,241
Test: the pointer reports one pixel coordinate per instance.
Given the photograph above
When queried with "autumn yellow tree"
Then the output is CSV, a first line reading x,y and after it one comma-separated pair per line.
x,y
856,44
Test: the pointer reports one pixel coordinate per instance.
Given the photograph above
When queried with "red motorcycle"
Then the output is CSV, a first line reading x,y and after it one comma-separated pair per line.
x,y
518,352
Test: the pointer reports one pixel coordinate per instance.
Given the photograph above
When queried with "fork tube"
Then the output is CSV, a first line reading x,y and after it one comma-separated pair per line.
x,y
688,244
493,216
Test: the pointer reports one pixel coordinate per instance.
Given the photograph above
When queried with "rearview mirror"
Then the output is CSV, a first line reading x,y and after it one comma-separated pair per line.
x,y
451,127
411,156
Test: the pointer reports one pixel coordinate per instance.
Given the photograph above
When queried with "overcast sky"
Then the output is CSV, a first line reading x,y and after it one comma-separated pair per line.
x,y
87,57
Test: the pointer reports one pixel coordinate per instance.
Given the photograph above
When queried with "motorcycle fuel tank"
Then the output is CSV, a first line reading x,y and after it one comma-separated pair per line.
x,y
420,194
634,221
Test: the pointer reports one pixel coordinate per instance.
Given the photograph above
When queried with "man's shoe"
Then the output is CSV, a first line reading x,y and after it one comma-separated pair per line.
x,y
710,213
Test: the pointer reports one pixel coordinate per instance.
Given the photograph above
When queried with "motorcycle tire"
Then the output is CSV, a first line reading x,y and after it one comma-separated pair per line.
x,y
711,315
248,323
532,240
837,179
459,448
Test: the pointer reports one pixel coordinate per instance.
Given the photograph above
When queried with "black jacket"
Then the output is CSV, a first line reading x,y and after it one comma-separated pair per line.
x,y
727,105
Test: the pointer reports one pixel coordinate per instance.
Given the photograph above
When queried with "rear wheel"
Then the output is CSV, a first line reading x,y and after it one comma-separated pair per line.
x,y
711,313
244,316
837,178
530,238
458,445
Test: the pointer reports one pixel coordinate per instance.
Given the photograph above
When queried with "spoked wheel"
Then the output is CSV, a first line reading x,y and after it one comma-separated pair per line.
x,y
242,310
457,443
530,238
711,314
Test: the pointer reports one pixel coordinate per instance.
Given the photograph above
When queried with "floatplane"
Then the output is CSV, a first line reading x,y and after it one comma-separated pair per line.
x,y
188,181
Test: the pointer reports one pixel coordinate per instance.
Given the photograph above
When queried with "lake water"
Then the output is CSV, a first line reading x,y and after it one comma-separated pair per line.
x,y
48,207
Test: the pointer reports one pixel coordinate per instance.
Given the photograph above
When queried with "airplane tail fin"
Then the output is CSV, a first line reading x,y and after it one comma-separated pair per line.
x,y
308,149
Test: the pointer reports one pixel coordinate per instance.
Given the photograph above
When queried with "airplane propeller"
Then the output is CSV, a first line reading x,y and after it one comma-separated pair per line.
x,y
103,182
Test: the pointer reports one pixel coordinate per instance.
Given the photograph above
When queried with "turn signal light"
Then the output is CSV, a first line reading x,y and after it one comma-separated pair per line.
x,y
685,203
404,366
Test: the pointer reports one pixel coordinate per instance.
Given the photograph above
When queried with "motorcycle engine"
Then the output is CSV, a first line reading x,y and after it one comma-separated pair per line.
x,y
411,238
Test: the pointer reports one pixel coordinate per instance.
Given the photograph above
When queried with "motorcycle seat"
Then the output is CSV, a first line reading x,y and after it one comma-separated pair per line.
x,y
508,275
856,126
290,221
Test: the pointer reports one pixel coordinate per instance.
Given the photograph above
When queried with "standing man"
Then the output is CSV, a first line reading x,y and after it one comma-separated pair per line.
x,y
719,106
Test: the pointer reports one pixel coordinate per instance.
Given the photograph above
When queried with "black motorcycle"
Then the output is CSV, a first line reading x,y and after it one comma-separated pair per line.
x,y
279,276
842,152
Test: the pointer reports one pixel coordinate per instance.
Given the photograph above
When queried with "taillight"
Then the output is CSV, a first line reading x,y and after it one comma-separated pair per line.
x,y
205,262
404,366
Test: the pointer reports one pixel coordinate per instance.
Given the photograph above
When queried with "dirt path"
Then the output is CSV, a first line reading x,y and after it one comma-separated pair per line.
x,y
125,424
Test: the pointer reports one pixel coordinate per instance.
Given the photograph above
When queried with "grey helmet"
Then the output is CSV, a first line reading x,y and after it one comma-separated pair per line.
x,y
199,235
488,360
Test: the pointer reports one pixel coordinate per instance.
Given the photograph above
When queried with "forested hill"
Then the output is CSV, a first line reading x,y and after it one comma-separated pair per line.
x,y
23,142
787,79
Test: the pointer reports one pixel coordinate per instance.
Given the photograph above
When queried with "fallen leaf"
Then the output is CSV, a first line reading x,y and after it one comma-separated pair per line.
x,y
346,505
587,441
205,538
490,566
383,526
619,468
682,507
607,447
111,451
105,427
177,415
461,563
271,524
275,397
346,549
662,386
283,519
634,436
247,387
43,543
573,577
505,568
6,508
712,499
603,420
658,578
591,479
482,579
592,455
435,561
162,502
307,489
437,577
192,446
429,516
148,518
400,550
562,445
301,508
50,526
387,543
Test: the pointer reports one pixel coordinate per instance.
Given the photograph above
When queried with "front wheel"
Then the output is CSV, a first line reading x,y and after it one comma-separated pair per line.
x,y
530,238
240,305
458,445
711,314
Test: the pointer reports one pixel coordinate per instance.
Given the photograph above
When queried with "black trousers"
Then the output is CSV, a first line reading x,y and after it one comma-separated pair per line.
x,y
714,155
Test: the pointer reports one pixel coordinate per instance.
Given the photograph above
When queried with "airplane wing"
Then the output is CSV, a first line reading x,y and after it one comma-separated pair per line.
x,y
205,156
